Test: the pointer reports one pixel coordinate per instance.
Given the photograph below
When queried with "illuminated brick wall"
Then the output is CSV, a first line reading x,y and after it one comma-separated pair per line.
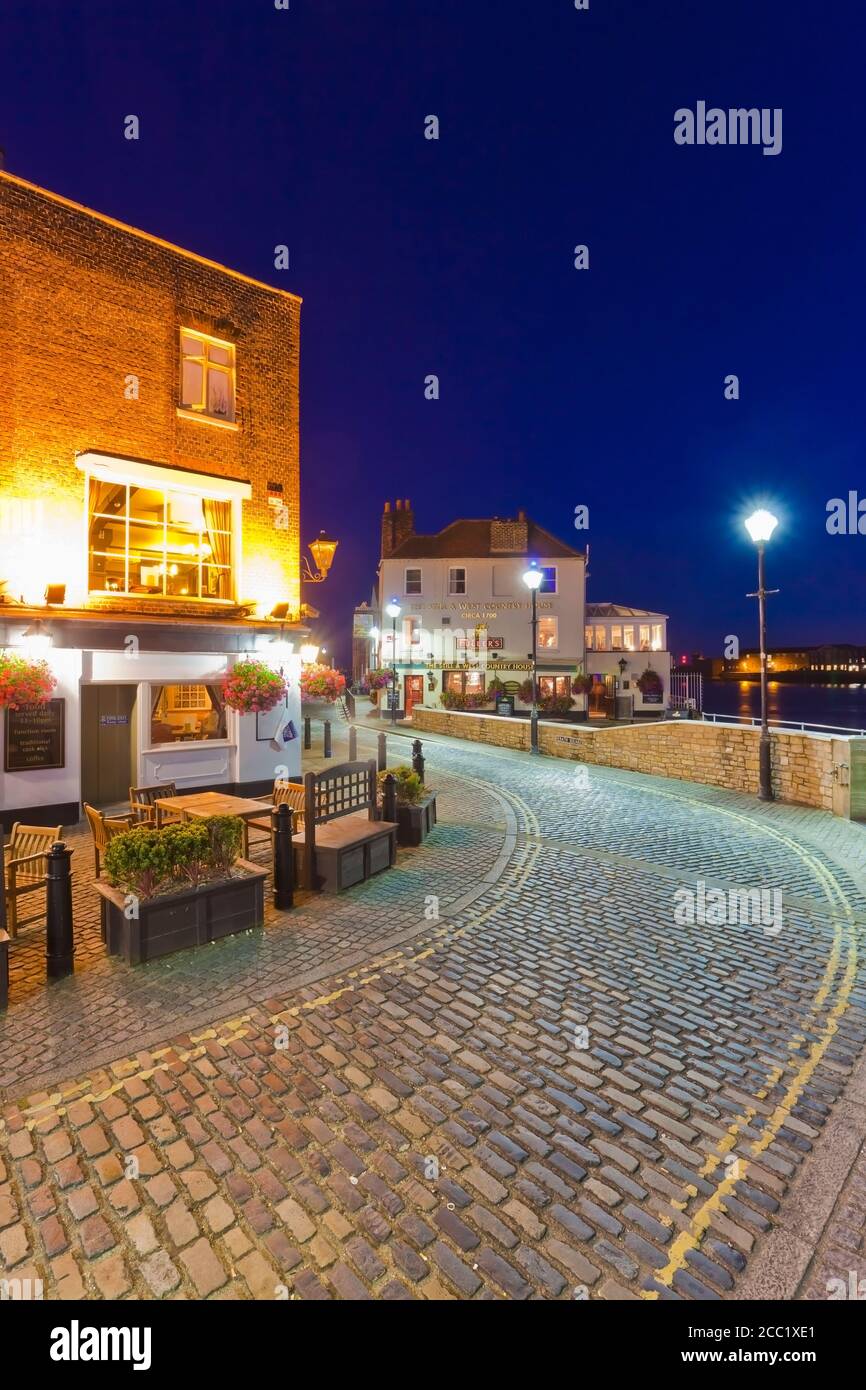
x,y
83,304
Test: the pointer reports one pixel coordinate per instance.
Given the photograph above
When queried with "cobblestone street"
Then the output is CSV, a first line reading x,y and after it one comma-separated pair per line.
x,y
555,1088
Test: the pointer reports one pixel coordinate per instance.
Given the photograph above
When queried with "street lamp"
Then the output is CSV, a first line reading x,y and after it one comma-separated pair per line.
x,y
760,526
533,579
393,610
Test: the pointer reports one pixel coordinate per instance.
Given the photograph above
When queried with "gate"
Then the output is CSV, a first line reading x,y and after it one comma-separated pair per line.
x,y
687,690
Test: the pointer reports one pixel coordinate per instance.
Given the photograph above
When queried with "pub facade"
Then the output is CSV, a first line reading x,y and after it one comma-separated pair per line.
x,y
149,509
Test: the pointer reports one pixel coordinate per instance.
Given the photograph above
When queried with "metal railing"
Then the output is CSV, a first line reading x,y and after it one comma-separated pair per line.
x,y
795,725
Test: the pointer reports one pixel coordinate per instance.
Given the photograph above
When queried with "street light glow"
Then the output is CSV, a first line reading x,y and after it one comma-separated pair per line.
x,y
393,609
533,578
761,525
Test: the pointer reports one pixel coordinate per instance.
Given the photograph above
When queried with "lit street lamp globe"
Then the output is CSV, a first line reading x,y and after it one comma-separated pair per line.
x,y
393,609
761,525
533,578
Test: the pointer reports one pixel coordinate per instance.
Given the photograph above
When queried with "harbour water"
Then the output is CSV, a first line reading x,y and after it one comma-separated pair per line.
x,y
839,705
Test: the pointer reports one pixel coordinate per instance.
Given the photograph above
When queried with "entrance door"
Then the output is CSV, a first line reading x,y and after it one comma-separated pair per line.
x,y
413,693
107,743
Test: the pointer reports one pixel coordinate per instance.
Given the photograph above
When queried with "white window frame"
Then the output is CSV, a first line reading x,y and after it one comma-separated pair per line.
x,y
452,591
199,409
555,589
105,468
413,593
550,618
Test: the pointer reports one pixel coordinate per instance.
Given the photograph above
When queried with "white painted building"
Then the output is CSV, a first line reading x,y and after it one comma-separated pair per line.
x,y
622,645
465,618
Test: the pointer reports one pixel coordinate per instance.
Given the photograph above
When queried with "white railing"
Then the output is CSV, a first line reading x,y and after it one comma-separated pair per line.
x,y
797,726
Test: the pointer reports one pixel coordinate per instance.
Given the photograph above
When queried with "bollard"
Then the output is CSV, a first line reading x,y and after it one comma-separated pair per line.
x,y
282,819
389,798
418,758
327,748
4,969
382,761
59,940
353,744
308,737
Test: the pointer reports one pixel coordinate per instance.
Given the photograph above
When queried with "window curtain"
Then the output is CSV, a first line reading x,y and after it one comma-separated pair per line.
x,y
218,521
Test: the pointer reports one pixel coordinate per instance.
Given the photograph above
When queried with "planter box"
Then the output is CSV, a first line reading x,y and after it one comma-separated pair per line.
x,y
192,917
414,823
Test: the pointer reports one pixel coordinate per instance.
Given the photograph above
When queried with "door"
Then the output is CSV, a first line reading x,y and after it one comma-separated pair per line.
x,y
107,721
413,693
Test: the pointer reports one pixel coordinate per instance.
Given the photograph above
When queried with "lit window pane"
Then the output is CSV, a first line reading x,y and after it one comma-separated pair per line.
x,y
193,378
219,354
219,394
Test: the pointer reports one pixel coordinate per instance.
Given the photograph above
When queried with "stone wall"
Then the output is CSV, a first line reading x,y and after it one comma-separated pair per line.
x,y
716,754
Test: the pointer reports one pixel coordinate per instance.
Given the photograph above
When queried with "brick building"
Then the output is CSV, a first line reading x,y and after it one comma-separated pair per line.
x,y
149,472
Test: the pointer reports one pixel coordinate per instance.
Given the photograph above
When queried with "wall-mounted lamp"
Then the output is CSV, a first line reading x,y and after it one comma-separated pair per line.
x,y
322,549
309,653
35,639
622,664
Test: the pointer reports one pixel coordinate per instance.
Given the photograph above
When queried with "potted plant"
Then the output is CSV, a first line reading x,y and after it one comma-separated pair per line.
x,y
167,890
416,806
251,687
24,682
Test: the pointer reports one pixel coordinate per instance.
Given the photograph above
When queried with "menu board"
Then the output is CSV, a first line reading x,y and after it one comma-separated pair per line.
x,y
35,737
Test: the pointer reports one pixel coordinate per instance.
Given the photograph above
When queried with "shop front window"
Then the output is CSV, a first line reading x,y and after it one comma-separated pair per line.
x,y
186,714
464,682
553,686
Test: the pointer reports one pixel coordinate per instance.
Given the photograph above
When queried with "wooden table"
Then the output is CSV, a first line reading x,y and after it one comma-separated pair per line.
x,y
198,805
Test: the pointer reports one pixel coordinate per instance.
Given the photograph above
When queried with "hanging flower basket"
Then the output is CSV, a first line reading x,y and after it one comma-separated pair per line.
x,y
581,685
321,685
24,682
650,683
252,688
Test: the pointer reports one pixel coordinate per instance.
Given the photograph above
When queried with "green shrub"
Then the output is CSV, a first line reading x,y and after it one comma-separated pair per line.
x,y
145,862
410,788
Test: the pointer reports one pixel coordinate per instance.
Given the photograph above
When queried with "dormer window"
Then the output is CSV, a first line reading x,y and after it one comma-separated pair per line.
x,y
207,376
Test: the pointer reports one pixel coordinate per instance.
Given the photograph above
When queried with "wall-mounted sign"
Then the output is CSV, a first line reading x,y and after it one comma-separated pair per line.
x,y
492,644
35,737
109,721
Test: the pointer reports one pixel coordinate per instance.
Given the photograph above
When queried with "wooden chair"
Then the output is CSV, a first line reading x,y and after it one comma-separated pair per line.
x,y
104,828
142,803
284,794
24,866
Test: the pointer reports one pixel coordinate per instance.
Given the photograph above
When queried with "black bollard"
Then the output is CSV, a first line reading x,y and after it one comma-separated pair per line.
x,y
308,736
382,761
327,748
389,798
353,744
418,758
284,858
59,940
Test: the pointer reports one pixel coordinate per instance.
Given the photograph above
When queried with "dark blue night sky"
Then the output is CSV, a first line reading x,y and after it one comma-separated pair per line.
x,y
455,257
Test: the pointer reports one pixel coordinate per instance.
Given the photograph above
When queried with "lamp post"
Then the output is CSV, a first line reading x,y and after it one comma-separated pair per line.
x,y
533,579
760,526
393,610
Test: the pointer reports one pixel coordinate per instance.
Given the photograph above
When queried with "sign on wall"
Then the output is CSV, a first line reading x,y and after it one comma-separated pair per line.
x,y
35,737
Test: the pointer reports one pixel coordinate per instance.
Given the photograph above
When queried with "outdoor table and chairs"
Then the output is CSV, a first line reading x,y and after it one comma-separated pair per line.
x,y
200,805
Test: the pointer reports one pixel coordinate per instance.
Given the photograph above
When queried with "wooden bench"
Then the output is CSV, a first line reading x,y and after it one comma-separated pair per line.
x,y
342,842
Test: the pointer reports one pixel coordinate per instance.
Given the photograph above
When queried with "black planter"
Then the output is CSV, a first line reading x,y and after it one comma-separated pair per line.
x,y
177,921
414,823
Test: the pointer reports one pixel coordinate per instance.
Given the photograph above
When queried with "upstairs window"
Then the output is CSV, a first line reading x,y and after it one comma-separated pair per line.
x,y
548,582
207,376
457,581
413,582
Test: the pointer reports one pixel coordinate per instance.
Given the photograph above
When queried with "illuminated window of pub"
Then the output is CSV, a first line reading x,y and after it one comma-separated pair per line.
x,y
548,633
158,542
207,375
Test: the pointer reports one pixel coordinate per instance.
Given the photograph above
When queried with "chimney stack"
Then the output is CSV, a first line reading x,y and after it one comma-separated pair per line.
x,y
398,523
